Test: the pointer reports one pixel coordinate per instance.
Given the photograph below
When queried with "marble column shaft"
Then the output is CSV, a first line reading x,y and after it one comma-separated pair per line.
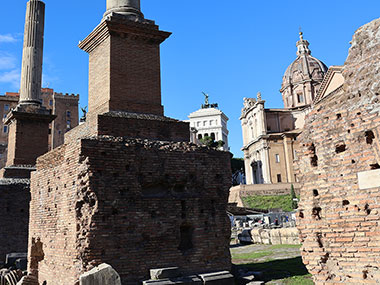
x,y
129,8
31,73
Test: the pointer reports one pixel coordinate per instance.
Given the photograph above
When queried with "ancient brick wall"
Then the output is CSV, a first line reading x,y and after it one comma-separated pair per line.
x,y
28,139
132,125
15,198
338,216
133,204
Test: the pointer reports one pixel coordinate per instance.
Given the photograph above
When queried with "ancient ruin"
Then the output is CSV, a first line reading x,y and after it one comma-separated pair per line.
x,y
28,137
127,188
339,168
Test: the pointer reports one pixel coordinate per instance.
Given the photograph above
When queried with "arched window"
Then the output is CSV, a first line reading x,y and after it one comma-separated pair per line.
x,y
213,136
199,137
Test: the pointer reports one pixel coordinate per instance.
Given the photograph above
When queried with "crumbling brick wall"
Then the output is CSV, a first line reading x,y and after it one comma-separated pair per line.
x,y
14,198
134,204
339,218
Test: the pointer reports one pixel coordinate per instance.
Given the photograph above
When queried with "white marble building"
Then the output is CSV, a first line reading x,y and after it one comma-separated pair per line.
x,y
209,121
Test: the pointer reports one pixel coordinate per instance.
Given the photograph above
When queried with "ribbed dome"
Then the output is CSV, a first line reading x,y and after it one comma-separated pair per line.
x,y
305,67
302,78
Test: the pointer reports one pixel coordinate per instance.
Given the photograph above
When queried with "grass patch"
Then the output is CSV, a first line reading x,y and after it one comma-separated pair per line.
x,y
252,255
291,270
299,280
280,246
269,202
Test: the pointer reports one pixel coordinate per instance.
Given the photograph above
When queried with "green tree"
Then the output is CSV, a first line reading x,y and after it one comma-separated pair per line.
x,y
210,142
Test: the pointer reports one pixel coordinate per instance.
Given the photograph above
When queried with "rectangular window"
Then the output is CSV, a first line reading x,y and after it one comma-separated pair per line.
x,y
5,129
6,107
198,124
211,122
278,178
68,114
68,124
300,98
277,158
204,123
51,102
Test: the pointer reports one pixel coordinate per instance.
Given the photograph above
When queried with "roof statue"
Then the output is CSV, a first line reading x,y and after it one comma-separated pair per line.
x,y
207,103
259,96
206,98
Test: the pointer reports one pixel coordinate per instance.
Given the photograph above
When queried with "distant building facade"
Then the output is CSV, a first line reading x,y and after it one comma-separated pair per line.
x,y
64,106
209,121
270,135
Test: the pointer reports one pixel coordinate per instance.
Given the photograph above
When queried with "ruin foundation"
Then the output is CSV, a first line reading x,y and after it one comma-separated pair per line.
x,y
340,197
134,204
15,198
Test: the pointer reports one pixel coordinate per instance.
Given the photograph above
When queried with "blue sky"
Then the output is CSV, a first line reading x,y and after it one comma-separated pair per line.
x,y
229,49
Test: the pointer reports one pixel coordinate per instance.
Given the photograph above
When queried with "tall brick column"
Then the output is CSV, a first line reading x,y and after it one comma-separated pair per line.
x,y
124,68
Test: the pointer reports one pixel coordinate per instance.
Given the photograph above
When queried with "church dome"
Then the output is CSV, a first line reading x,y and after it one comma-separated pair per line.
x,y
305,71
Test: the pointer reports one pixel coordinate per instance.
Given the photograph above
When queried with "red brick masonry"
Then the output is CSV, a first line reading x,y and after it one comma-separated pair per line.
x,y
338,220
134,204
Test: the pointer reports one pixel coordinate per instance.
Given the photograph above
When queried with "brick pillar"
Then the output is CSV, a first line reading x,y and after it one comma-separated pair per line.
x,y
28,134
124,67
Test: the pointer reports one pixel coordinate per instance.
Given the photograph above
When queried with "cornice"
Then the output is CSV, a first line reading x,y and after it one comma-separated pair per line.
x,y
124,28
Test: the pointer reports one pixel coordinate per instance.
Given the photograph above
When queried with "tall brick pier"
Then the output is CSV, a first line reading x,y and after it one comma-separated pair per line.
x,y
340,171
127,188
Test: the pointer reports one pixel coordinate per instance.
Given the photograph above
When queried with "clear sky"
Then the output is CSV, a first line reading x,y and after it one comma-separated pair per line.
x,y
229,49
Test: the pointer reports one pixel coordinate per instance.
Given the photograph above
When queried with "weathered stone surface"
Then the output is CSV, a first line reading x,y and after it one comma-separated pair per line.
x,y
162,273
189,280
338,222
217,278
275,236
369,179
133,204
100,275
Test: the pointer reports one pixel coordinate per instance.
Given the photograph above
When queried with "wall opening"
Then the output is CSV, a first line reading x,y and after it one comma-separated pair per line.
x,y
369,136
186,237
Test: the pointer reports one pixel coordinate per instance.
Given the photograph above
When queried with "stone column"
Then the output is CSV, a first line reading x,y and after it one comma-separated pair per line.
x,y
128,8
29,121
31,74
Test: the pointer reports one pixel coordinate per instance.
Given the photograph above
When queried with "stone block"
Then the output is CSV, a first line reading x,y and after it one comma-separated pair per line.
x,y
12,257
189,280
28,280
218,278
21,263
100,275
163,273
369,179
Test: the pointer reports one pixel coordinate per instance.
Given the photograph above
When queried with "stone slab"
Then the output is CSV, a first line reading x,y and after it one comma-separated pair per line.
x,y
218,278
189,280
101,275
369,179
163,273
